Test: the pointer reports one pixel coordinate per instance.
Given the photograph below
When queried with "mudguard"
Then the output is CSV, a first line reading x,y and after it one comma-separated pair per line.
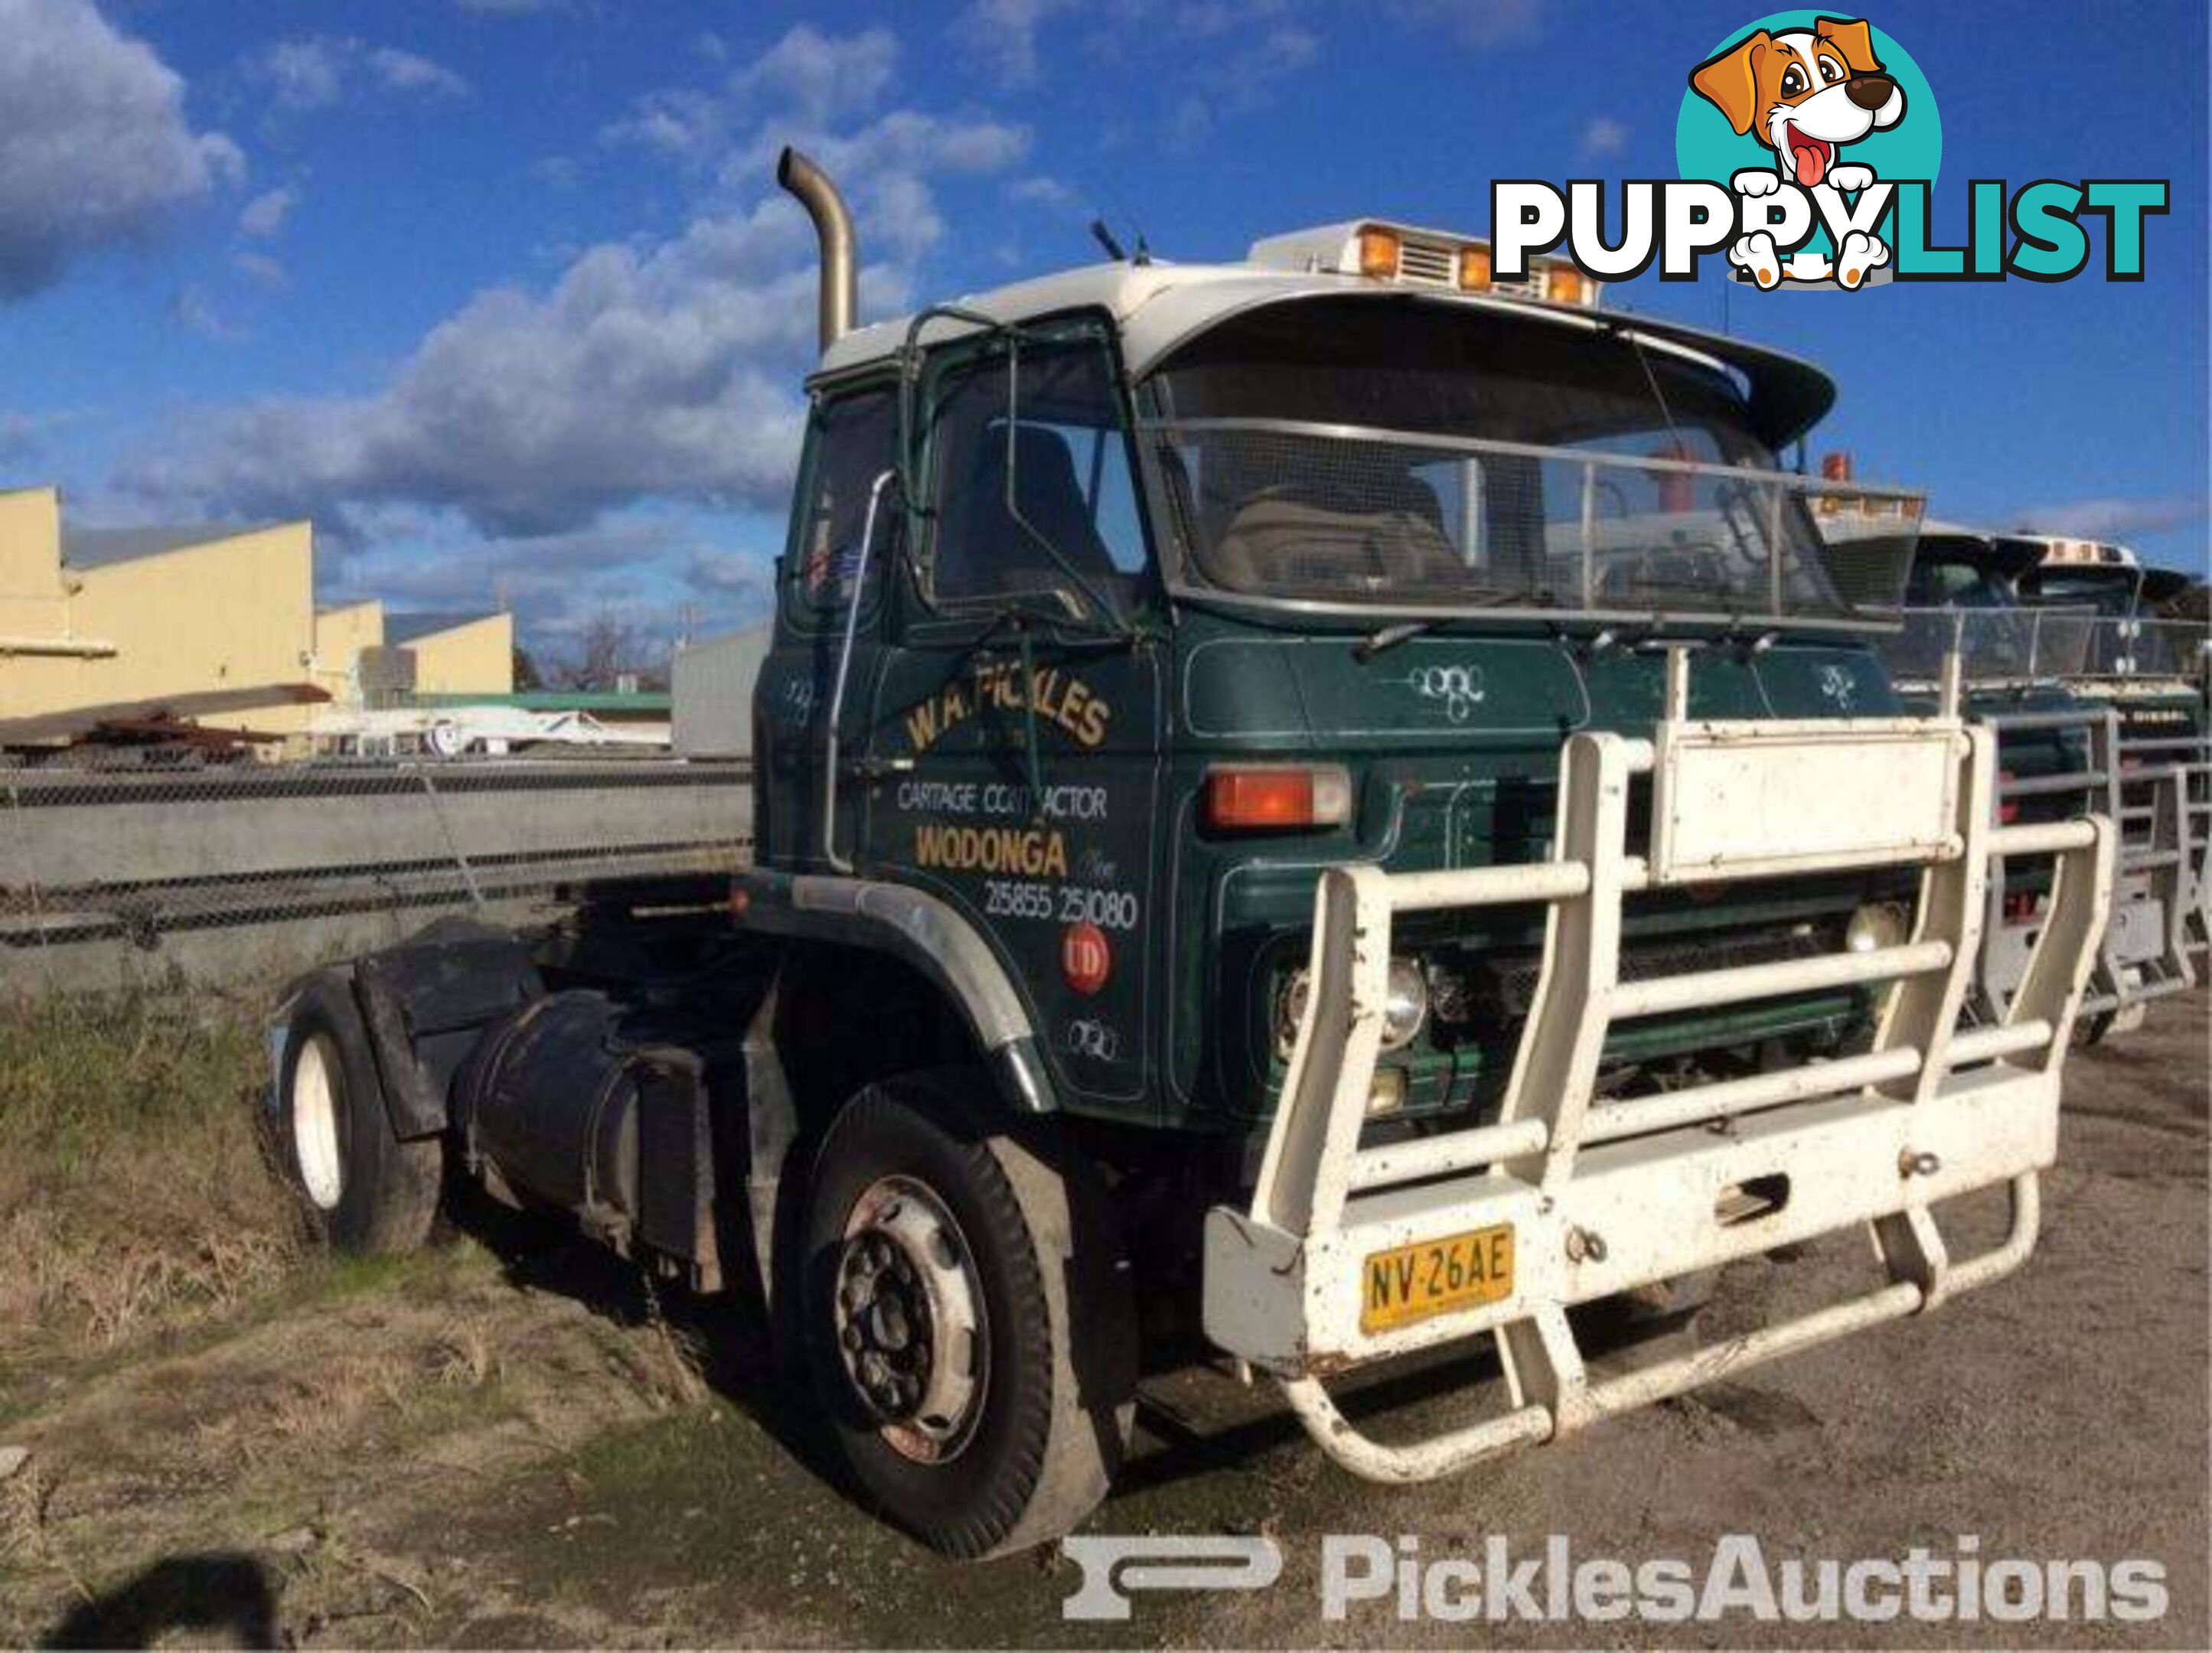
x,y
426,1001
924,933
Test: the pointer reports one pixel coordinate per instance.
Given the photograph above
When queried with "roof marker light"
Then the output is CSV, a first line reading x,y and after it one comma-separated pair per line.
x,y
1379,253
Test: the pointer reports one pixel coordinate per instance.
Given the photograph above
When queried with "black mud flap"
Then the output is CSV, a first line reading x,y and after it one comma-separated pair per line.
x,y
426,1002
676,1161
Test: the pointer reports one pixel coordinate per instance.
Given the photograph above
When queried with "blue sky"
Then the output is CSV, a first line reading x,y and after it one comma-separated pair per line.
x,y
498,291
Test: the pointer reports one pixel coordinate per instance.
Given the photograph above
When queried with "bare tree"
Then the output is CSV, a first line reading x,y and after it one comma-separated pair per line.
x,y
611,650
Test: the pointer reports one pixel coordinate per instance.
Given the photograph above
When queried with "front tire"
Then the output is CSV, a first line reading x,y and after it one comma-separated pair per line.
x,y
968,1314
365,1191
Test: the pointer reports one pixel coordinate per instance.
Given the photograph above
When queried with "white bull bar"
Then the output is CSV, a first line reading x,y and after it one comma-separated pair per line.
x,y
2159,897
1599,1198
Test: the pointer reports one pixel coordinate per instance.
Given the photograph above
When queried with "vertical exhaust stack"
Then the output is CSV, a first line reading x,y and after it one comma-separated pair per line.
x,y
833,227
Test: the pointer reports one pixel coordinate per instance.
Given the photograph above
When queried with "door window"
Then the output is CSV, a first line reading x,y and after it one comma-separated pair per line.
x,y
854,438
1050,477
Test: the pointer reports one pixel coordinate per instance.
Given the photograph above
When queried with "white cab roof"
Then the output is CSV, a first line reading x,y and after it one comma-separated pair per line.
x,y
1156,306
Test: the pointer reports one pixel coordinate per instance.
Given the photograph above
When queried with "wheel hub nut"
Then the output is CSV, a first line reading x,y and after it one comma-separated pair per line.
x,y
908,1317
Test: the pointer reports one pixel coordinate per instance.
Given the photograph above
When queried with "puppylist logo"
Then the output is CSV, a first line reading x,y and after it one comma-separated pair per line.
x,y
1804,95
1808,147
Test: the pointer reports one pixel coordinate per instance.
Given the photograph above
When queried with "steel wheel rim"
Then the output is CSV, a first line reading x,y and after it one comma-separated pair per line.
x,y
315,1122
912,1330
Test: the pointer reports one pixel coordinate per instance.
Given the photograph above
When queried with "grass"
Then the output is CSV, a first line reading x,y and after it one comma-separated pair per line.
x,y
136,1193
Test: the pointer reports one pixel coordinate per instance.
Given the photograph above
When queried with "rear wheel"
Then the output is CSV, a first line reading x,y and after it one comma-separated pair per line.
x,y
365,1190
968,1316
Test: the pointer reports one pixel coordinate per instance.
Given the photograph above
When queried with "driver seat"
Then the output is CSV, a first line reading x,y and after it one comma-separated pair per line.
x,y
983,549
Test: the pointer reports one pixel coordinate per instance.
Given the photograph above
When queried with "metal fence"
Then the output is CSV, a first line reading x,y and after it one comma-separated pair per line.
x,y
141,875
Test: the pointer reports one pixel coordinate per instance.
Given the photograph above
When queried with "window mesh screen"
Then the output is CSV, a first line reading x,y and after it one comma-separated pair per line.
x,y
1335,512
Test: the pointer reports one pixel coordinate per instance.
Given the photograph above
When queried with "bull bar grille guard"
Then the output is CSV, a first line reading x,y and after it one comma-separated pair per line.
x,y
1601,1197
2153,790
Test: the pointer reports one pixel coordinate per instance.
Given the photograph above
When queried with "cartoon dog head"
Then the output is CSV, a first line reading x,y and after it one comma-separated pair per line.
x,y
1806,93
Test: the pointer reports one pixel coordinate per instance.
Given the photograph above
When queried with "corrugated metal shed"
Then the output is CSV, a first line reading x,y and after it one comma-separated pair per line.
x,y
713,689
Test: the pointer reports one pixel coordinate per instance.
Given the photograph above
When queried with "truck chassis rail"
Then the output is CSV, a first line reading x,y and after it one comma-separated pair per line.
x,y
1578,1199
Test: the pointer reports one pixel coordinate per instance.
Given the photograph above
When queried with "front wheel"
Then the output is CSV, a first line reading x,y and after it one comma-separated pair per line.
x,y
365,1190
968,1317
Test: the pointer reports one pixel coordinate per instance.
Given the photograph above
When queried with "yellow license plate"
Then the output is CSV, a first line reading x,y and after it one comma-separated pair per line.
x,y
1434,1277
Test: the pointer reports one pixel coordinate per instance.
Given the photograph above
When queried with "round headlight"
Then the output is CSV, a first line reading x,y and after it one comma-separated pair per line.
x,y
1404,1004
1878,923
1291,1010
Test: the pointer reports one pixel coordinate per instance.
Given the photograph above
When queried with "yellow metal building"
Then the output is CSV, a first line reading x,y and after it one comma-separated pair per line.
x,y
106,618
456,653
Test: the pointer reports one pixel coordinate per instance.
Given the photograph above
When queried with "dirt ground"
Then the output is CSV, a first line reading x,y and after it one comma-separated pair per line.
x,y
505,1443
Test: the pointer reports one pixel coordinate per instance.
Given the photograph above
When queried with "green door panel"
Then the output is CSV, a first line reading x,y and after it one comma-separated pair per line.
x,y
1059,878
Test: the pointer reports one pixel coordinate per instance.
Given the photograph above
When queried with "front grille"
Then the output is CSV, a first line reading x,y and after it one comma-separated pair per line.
x,y
1488,987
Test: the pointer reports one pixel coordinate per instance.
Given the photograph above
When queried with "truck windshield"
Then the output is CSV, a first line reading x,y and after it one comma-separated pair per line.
x,y
1418,455
2110,591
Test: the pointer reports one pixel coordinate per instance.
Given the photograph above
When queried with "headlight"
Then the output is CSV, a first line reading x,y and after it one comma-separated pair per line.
x,y
1404,1004
1877,925
1405,1007
1291,1010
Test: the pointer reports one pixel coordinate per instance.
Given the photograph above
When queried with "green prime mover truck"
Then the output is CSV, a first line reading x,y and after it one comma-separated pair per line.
x,y
1305,811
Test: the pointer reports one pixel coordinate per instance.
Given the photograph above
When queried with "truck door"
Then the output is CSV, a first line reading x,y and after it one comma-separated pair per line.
x,y
1019,729
800,818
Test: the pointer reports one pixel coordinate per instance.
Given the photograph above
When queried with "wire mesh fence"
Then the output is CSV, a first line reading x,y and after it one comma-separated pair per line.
x,y
1335,512
124,876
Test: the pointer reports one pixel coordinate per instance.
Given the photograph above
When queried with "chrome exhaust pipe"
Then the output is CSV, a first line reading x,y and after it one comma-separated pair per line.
x,y
833,228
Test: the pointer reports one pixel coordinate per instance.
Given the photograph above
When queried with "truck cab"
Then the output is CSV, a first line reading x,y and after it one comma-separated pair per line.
x,y
1305,811
1190,580
2027,673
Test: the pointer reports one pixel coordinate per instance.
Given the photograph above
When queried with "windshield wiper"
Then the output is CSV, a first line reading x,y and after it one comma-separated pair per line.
x,y
1400,631
1391,635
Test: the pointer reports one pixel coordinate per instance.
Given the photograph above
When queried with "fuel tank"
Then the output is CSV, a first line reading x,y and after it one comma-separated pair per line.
x,y
548,1104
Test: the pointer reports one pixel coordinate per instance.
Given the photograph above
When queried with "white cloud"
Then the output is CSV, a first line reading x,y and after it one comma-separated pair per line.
x,y
262,268
1004,33
1040,189
2115,519
1477,23
661,575
1603,136
666,372
649,370
303,74
95,150
326,70
818,77
405,71
192,310
557,172
1243,78
23,435
727,574
813,78
264,215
